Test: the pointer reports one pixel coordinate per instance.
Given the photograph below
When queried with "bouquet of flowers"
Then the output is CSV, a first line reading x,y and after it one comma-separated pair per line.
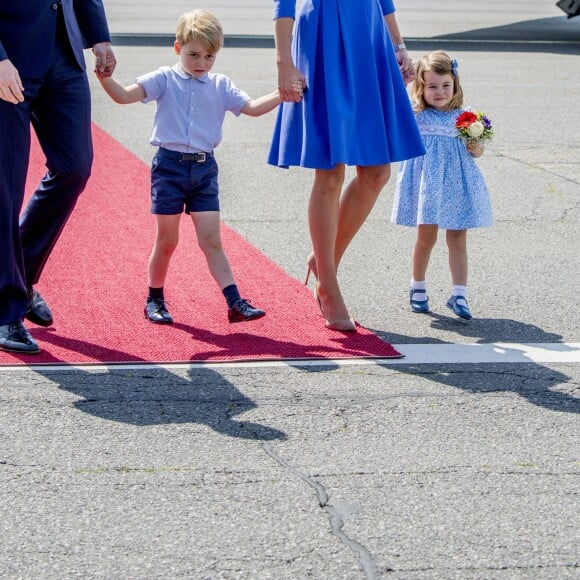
x,y
473,126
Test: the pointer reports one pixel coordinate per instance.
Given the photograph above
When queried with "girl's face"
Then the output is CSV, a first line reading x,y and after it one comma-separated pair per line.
x,y
195,58
438,89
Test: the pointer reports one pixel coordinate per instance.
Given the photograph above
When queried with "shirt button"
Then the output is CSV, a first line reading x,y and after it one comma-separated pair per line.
x,y
55,6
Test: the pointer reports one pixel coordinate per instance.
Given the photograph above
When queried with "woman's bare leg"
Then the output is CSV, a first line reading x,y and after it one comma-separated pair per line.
x,y
323,211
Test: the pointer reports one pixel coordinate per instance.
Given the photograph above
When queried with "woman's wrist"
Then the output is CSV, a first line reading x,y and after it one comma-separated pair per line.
x,y
399,46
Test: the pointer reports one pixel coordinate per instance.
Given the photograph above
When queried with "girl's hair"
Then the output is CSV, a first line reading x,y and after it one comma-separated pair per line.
x,y
440,63
200,26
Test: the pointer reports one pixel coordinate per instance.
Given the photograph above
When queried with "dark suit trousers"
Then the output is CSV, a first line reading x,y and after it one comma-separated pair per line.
x,y
58,107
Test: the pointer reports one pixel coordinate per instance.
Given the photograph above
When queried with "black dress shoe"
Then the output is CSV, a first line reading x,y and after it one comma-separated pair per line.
x,y
38,311
156,311
242,311
15,338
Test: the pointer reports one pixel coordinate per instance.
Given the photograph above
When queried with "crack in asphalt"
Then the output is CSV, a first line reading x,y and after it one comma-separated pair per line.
x,y
335,513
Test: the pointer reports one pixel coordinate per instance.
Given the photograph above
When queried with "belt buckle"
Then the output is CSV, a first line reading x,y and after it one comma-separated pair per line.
x,y
200,157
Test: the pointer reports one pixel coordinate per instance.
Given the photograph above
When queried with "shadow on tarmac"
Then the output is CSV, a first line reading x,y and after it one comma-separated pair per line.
x,y
532,381
156,396
555,35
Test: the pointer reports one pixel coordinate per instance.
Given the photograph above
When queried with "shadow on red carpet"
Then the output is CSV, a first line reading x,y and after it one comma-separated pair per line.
x,y
96,280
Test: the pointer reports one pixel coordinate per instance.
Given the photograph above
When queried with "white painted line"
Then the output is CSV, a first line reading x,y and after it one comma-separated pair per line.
x,y
415,354
499,352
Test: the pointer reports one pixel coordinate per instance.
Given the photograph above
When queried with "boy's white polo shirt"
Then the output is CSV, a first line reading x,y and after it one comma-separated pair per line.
x,y
190,111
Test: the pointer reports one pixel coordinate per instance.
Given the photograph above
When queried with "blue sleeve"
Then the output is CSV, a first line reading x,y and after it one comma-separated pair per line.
x,y
285,9
234,99
154,84
92,21
388,6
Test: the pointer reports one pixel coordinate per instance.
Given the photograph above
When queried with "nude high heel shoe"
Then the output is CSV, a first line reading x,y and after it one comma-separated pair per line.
x,y
344,325
311,268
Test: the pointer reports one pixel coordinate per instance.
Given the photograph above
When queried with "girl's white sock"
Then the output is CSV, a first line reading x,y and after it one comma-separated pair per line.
x,y
458,290
420,287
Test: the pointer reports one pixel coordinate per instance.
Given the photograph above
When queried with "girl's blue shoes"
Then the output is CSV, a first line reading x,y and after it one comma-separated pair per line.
x,y
420,306
462,310
456,303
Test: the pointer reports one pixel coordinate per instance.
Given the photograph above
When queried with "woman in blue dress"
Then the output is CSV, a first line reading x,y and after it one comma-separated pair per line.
x,y
350,57
444,188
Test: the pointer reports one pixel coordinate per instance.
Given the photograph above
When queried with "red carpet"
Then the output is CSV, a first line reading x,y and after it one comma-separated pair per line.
x,y
96,279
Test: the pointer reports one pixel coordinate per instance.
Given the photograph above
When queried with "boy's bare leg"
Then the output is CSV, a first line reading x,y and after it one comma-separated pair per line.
x,y
165,243
207,227
166,240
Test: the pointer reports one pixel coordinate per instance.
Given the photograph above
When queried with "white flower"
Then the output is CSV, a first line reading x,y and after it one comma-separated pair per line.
x,y
476,129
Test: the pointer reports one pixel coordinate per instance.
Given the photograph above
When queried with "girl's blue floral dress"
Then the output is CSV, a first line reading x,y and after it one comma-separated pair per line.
x,y
444,187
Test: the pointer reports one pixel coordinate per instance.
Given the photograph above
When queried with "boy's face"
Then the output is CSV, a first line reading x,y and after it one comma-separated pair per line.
x,y
195,58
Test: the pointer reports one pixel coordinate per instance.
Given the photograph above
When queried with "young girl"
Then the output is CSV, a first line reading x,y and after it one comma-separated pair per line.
x,y
444,188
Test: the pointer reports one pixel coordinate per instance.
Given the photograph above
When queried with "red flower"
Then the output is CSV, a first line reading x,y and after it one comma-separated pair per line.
x,y
465,119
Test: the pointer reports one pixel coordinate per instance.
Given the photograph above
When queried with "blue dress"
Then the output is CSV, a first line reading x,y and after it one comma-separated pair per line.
x,y
355,108
444,187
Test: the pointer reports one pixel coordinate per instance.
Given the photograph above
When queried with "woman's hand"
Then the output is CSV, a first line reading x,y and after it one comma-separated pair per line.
x,y
406,65
290,79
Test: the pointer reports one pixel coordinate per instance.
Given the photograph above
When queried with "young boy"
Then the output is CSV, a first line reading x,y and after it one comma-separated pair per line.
x,y
191,105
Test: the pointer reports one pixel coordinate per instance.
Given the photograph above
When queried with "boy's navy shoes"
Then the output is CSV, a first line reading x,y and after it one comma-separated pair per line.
x,y
242,310
38,311
15,338
462,310
156,311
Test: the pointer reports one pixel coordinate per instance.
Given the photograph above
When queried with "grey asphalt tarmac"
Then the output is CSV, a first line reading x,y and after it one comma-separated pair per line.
x,y
417,471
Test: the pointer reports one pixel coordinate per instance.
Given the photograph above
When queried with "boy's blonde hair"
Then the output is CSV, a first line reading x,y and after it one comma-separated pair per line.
x,y
200,26
440,63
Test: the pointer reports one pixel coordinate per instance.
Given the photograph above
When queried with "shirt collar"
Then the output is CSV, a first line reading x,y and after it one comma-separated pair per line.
x,y
185,75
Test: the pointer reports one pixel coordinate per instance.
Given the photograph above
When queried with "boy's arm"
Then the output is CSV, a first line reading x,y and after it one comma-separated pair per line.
x,y
120,94
262,105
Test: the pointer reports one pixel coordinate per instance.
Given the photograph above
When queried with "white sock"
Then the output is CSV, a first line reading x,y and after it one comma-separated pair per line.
x,y
420,285
458,290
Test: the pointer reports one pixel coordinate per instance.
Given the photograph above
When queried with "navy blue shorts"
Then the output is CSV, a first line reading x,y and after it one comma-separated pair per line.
x,y
180,183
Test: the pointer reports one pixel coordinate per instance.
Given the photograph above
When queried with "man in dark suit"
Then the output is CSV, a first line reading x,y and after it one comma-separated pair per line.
x,y
43,83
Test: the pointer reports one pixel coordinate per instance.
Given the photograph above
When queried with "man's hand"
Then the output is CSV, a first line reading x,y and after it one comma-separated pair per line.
x,y
10,84
105,61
